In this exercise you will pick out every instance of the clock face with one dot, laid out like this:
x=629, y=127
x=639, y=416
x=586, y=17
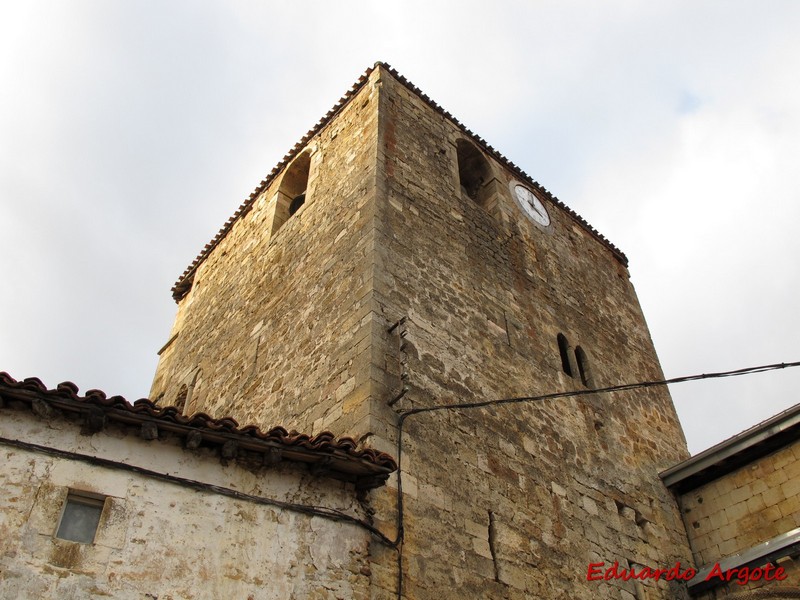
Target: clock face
x=531, y=205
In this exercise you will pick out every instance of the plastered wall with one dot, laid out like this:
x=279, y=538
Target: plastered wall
x=162, y=540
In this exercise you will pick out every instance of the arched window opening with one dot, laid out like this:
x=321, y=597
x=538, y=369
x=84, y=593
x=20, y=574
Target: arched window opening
x=292, y=191
x=583, y=366
x=563, y=349
x=473, y=171
x=180, y=399
x=192, y=398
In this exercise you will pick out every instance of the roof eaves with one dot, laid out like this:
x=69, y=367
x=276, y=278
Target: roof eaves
x=323, y=453
x=735, y=452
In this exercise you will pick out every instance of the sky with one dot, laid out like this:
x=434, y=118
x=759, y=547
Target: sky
x=131, y=130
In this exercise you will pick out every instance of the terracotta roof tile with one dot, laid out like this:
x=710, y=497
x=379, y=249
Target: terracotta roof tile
x=366, y=467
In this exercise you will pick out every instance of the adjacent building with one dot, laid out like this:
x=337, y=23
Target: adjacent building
x=104, y=499
x=740, y=502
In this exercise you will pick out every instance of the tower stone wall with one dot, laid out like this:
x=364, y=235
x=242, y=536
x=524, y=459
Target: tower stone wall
x=514, y=501
x=412, y=279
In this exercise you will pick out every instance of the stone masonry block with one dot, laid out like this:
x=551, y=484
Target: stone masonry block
x=736, y=511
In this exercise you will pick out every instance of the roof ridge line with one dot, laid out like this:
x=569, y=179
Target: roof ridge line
x=183, y=284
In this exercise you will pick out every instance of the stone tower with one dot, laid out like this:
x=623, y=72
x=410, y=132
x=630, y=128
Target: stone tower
x=394, y=261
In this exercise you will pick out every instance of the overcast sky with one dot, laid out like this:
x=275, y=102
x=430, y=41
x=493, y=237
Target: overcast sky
x=131, y=130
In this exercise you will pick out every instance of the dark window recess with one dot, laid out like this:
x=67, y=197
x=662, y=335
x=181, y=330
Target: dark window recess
x=563, y=349
x=293, y=190
x=297, y=202
x=583, y=366
x=473, y=171
x=80, y=518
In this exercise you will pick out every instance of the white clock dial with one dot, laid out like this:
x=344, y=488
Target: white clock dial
x=531, y=205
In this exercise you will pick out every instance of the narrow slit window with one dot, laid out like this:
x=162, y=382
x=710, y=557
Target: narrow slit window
x=583, y=366
x=563, y=349
x=80, y=517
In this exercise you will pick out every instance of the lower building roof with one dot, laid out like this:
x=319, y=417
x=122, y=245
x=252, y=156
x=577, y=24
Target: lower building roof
x=324, y=454
x=735, y=452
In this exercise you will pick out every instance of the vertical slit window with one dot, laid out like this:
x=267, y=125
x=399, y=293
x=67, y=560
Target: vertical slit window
x=563, y=349
x=583, y=366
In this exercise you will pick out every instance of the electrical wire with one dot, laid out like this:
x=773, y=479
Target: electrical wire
x=605, y=390
x=340, y=516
